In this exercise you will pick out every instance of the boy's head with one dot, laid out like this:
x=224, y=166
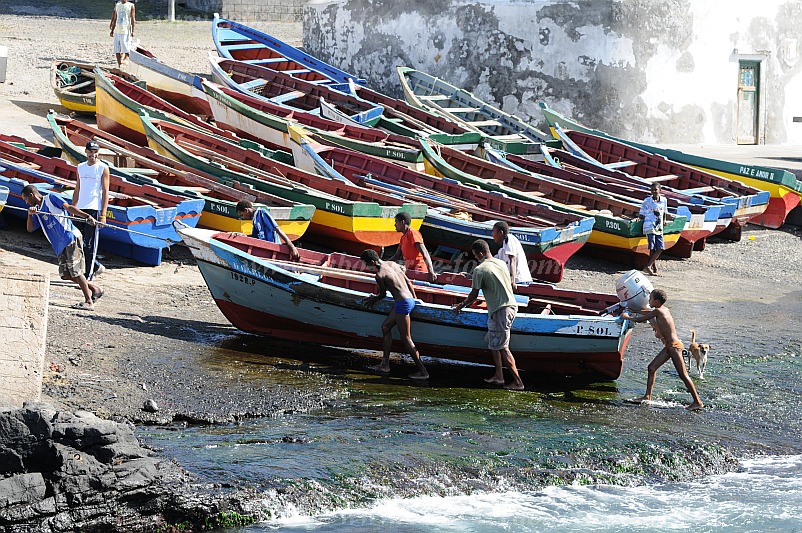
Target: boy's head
x=244, y=209
x=402, y=221
x=480, y=249
x=31, y=195
x=500, y=231
x=658, y=296
x=370, y=258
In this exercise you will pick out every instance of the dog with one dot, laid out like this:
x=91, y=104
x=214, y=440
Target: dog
x=699, y=353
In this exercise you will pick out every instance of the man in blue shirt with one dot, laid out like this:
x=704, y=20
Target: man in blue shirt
x=653, y=212
x=265, y=227
x=50, y=213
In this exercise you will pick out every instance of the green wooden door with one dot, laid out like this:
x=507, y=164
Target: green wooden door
x=748, y=98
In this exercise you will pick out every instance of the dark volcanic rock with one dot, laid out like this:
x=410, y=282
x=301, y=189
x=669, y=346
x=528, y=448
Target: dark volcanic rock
x=66, y=471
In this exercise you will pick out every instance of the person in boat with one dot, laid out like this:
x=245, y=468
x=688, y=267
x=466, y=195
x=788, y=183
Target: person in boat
x=122, y=26
x=50, y=213
x=512, y=253
x=265, y=227
x=391, y=277
x=493, y=278
x=653, y=212
x=411, y=248
x=92, y=197
x=663, y=323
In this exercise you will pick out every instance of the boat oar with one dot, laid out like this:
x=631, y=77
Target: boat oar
x=118, y=228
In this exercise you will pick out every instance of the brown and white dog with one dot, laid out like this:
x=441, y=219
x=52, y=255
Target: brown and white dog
x=699, y=353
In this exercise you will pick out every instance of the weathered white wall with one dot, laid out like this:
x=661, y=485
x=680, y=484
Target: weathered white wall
x=654, y=70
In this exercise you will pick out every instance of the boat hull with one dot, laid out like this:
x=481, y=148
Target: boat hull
x=179, y=88
x=779, y=183
x=260, y=298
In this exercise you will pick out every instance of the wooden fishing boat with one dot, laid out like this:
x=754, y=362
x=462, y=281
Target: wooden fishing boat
x=39, y=148
x=237, y=41
x=143, y=165
x=144, y=210
x=503, y=131
x=396, y=117
x=749, y=202
x=347, y=217
x=458, y=214
x=324, y=306
x=785, y=189
x=74, y=84
x=119, y=104
x=283, y=89
x=268, y=123
x=617, y=233
x=177, y=87
x=703, y=219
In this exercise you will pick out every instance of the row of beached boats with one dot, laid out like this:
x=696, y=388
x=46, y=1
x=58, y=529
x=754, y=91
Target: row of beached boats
x=333, y=161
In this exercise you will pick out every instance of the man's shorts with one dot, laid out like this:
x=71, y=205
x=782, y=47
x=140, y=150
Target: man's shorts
x=122, y=43
x=71, y=260
x=656, y=241
x=499, y=324
x=405, y=306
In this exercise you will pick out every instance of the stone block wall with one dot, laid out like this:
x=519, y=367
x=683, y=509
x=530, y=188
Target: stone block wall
x=256, y=10
x=251, y=10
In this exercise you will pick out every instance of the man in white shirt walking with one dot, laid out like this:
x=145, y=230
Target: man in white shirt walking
x=92, y=197
x=123, y=22
x=653, y=212
x=512, y=253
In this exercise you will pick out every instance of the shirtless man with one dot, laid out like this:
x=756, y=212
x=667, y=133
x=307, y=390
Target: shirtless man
x=390, y=276
x=663, y=324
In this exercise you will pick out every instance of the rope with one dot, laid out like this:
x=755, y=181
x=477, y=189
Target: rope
x=168, y=241
x=68, y=74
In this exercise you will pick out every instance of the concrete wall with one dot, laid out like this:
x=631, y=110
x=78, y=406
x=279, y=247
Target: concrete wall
x=251, y=10
x=653, y=70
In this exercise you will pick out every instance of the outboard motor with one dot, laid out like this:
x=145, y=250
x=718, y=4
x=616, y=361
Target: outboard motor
x=633, y=290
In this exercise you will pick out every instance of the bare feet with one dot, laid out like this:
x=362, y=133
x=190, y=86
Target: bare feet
x=514, y=386
x=493, y=380
x=643, y=399
x=419, y=375
x=695, y=406
x=647, y=271
x=381, y=367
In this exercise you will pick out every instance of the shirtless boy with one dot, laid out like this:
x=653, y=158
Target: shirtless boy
x=391, y=277
x=663, y=324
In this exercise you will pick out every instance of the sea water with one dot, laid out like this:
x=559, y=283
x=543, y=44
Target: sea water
x=565, y=455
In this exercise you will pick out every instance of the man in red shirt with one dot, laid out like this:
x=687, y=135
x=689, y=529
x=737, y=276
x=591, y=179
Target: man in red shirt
x=411, y=247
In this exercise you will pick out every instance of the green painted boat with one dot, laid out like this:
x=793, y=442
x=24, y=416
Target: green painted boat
x=617, y=231
x=263, y=121
x=502, y=131
x=784, y=187
x=347, y=217
x=142, y=165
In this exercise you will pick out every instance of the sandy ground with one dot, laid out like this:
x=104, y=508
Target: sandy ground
x=157, y=333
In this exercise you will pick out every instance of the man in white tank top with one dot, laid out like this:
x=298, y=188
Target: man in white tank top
x=512, y=253
x=123, y=22
x=92, y=197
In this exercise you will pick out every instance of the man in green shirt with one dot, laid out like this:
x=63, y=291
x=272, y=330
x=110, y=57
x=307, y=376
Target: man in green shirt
x=493, y=278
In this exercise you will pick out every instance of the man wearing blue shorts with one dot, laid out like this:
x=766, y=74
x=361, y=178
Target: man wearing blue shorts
x=653, y=212
x=391, y=277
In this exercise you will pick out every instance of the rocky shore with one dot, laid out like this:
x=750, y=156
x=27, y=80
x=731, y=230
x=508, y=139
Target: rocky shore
x=74, y=463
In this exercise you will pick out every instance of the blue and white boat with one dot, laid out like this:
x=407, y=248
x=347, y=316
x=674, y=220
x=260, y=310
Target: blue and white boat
x=243, y=43
x=139, y=220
